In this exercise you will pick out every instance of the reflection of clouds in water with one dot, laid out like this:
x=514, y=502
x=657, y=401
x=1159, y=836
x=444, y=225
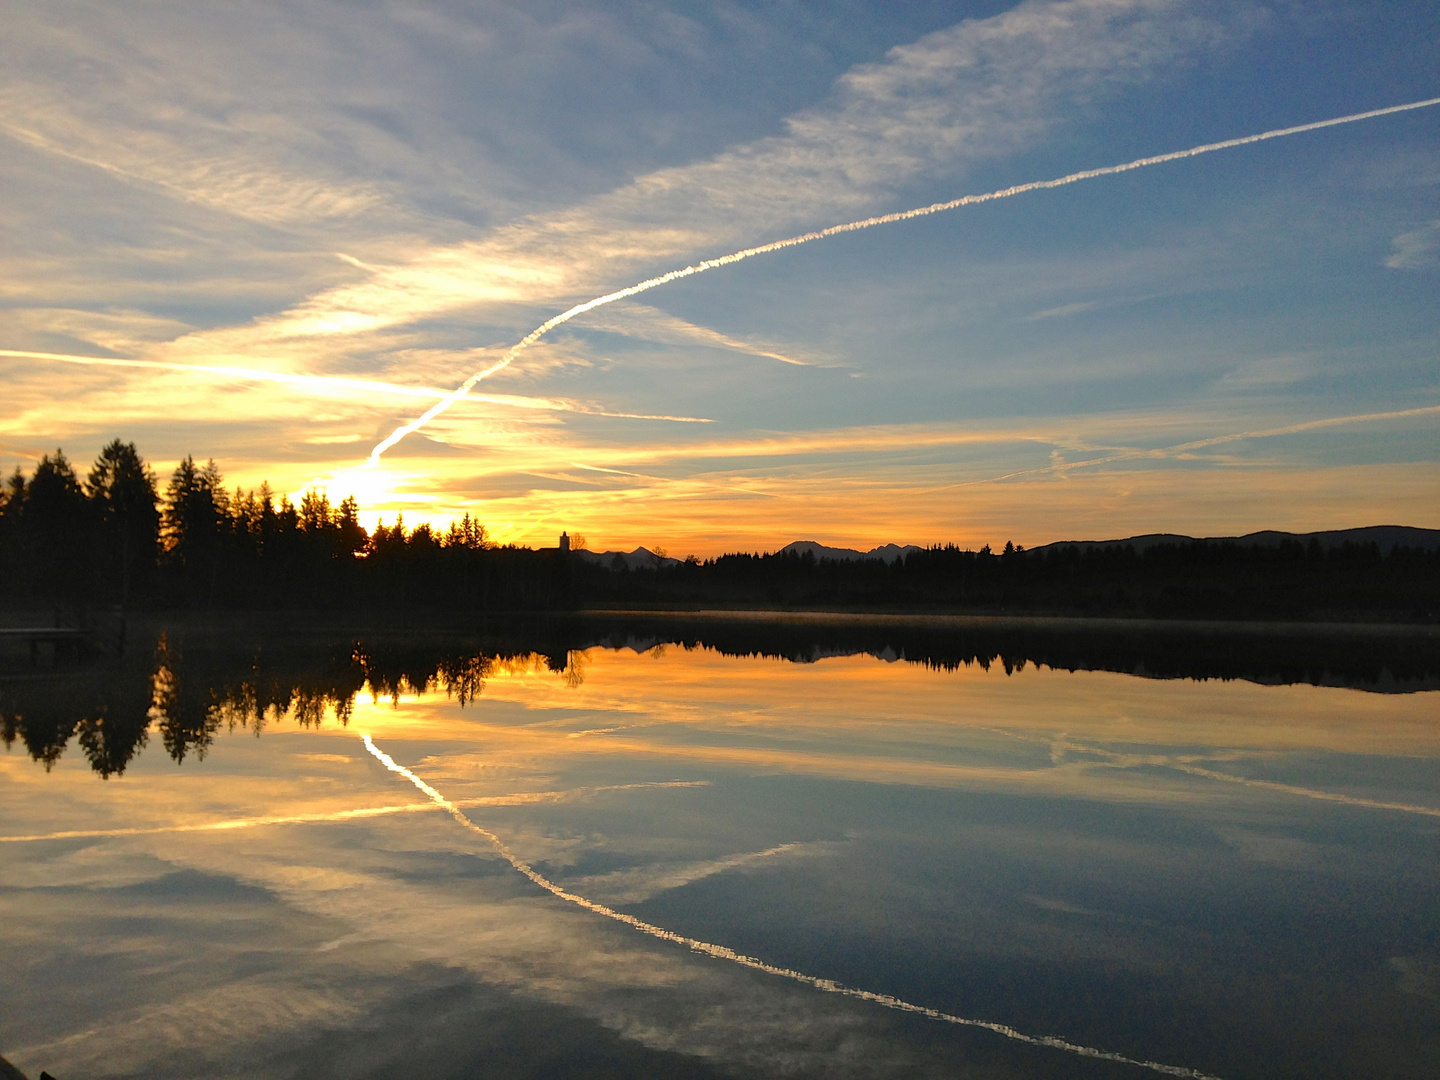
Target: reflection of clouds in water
x=187, y=998
x=1050, y=903
x=395, y=891
x=179, y=963
x=93, y=866
x=721, y=952
x=221, y=826
x=578, y=794
x=659, y=997
x=638, y=884
x=249, y=1011
x=384, y=908
x=1271, y=850
x=1417, y=975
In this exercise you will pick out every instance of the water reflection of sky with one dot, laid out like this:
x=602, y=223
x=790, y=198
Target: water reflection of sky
x=1196, y=873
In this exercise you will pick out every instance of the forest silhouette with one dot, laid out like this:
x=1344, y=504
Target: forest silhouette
x=115, y=539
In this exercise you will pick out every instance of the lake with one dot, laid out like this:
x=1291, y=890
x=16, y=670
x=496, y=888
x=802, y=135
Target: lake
x=724, y=848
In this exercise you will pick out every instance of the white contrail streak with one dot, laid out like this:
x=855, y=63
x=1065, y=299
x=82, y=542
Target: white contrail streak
x=853, y=226
x=720, y=952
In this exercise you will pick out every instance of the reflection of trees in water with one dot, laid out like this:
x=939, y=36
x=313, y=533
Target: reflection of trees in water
x=575, y=663
x=465, y=680
x=188, y=695
x=189, y=692
x=109, y=713
x=393, y=673
x=1390, y=660
x=187, y=721
x=192, y=699
x=461, y=673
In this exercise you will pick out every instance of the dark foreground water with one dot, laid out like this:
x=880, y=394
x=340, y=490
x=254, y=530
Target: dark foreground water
x=206, y=872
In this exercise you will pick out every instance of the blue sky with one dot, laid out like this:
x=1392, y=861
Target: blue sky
x=387, y=196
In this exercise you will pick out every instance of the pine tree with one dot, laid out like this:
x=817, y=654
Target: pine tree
x=122, y=493
x=55, y=532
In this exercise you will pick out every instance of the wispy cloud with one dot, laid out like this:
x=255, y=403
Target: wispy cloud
x=952, y=100
x=943, y=104
x=1063, y=311
x=325, y=384
x=638, y=884
x=279, y=395
x=1416, y=250
x=651, y=324
x=221, y=181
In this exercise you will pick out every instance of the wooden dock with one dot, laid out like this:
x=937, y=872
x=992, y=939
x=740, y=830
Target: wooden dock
x=59, y=638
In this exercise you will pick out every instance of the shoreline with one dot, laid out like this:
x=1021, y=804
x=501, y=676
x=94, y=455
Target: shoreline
x=963, y=621
x=451, y=621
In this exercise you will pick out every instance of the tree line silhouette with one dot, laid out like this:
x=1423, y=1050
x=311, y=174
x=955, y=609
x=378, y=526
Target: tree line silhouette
x=1195, y=579
x=115, y=538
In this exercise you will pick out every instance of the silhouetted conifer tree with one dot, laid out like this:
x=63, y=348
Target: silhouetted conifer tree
x=122, y=493
x=195, y=524
x=55, y=533
x=12, y=497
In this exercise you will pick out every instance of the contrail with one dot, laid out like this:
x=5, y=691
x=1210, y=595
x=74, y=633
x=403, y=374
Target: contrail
x=720, y=952
x=853, y=226
x=1200, y=444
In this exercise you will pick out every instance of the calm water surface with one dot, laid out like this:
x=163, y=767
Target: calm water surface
x=1221, y=876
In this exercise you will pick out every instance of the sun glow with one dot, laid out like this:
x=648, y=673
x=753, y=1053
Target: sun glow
x=375, y=490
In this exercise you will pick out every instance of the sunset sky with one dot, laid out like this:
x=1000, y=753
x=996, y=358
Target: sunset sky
x=284, y=229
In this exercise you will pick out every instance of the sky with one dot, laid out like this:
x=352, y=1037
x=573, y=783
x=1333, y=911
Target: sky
x=276, y=232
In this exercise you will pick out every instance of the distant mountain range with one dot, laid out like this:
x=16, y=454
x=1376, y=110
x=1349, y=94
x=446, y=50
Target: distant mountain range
x=1385, y=537
x=640, y=558
x=643, y=557
x=887, y=554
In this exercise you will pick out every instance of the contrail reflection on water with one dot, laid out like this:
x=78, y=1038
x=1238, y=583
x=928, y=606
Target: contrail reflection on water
x=720, y=952
x=1121, y=760
x=522, y=798
x=220, y=826
x=1304, y=792
x=853, y=226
